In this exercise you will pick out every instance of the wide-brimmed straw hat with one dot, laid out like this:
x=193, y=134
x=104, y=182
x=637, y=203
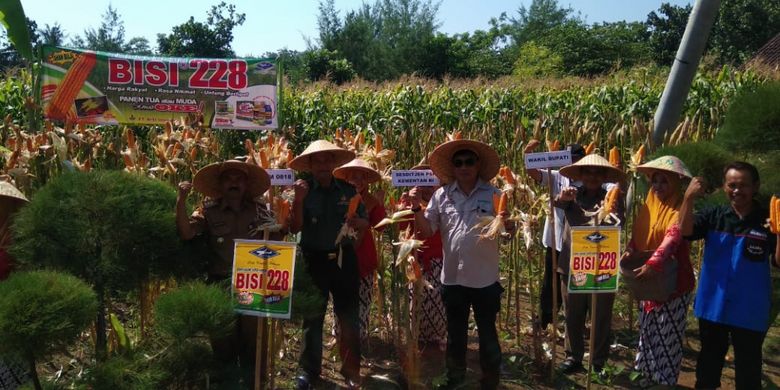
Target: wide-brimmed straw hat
x=441, y=159
x=360, y=165
x=665, y=163
x=11, y=199
x=7, y=190
x=423, y=164
x=206, y=180
x=302, y=163
x=574, y=171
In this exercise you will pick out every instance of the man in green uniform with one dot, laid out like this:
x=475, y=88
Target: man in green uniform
x=319, y=212
x=232, y=210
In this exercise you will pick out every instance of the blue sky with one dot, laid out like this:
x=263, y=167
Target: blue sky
x=271, y=25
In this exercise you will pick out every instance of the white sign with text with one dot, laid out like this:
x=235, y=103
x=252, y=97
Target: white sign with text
x=416, y=177
x=555, y=159
x=281, y=177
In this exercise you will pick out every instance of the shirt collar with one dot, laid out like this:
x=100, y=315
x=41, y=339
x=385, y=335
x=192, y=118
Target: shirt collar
x=223, y=206
x=481, y=184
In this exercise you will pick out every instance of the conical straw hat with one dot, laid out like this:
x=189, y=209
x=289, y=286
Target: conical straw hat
x=206, y=180
x=665, y=163
x=302, y=163
x=357, y=164
x=574, y=171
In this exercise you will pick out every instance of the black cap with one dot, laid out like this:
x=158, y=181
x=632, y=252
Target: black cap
x=577, y=152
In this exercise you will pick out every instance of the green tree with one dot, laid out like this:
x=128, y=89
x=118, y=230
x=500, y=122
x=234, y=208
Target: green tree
x=743, y=26
x=536, y=21
x=326, y=64
x=115, y=238
x=384, y=40
x=211, y=39
x=666, y=28
x=52, y=35
x=110, y=36
x=537, y=61
x=42, y=312
x=10, y=55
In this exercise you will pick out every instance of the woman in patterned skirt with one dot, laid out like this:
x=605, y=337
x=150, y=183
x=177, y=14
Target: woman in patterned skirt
x=433, y=320
x=360, y=174
x=657, y=229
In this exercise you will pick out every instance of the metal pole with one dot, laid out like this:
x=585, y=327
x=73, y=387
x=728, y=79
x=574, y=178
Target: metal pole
x=686, y=62
x=554, y=274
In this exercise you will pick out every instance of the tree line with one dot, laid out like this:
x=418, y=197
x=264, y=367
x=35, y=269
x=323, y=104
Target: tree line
x=391, y=38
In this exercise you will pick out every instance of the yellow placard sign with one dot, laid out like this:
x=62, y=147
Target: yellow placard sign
x=263, y=277
x=595, y=255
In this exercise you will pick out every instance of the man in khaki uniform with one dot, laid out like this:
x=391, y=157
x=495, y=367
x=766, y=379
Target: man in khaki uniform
x=230, y=211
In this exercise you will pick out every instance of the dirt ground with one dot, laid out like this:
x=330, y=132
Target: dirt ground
x=381, y=368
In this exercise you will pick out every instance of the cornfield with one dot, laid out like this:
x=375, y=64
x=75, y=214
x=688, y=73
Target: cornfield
x=410, y=119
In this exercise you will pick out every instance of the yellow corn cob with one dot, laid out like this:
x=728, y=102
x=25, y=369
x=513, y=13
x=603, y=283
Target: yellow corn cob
x=774, y=215
x=176, y=149
x=263, y=159
x=508, y=175
x=378, y=143
x=555, y=146
x=637, y=158
x=354, y=202
x=130, y=138
x=611, y=199
x=614, y=157
x=590, y=148
x=68, y=90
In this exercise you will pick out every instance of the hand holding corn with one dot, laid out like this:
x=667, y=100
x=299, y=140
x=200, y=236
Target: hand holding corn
x=696, y=188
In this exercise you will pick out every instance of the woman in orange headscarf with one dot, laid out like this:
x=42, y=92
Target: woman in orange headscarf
x=656, y=230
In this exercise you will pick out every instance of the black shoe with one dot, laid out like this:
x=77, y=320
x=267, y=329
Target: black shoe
x=305, y=382
x=570, y=366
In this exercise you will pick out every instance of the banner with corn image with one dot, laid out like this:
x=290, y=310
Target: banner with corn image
x=83, y=86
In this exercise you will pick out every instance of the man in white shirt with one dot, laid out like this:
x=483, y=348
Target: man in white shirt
x=470, y=263
x=558, y=182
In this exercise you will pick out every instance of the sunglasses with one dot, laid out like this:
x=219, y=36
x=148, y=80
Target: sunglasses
x=459, y=162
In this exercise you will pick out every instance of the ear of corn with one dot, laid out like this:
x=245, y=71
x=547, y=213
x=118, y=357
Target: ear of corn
x=378, y=143
x=61, y=104
x=774, y=215
x=496, y=201
x=639, y=156
x=502, y=201
x=508, y=176
x=614, y=157
x=354, y=202
x=263, y=159
x=590, y=148
x=554, y=145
